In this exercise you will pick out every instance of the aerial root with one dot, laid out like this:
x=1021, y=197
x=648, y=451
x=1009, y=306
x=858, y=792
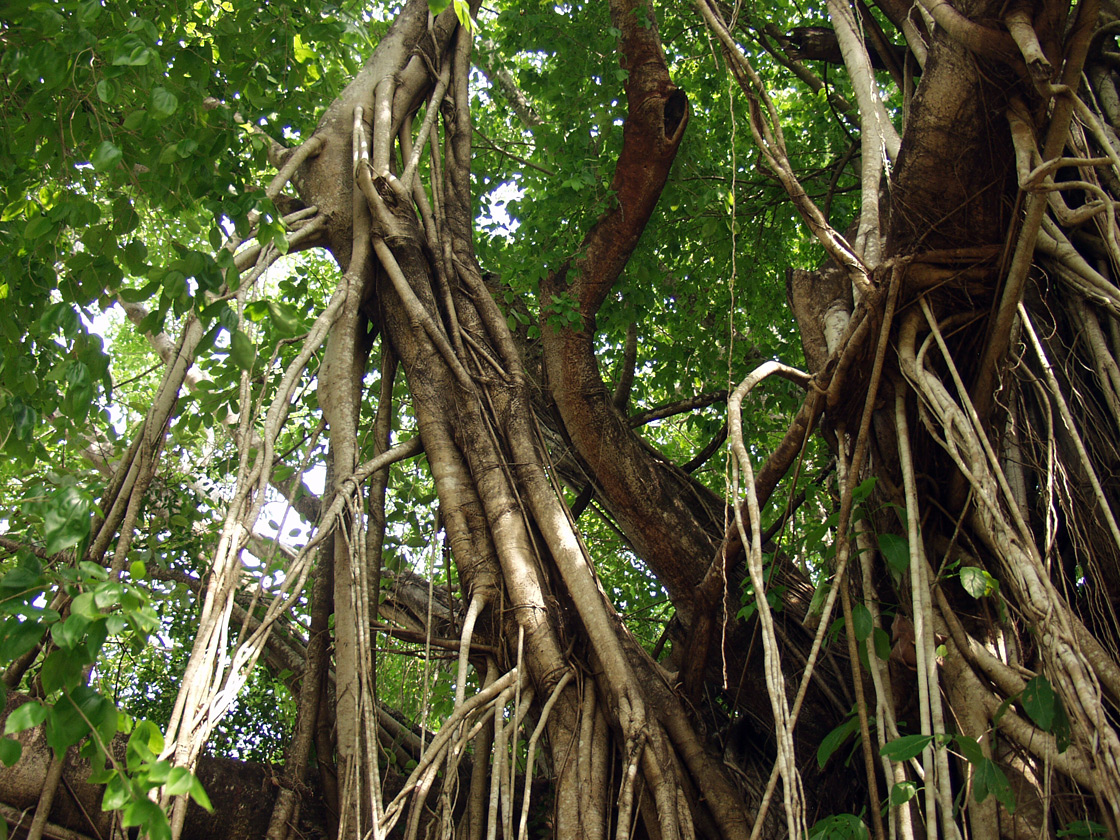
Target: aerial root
x=997, y=520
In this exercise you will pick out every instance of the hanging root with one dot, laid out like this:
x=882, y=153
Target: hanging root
x=997, y=521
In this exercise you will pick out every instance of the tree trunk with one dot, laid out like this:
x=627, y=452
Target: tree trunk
x=961, y=341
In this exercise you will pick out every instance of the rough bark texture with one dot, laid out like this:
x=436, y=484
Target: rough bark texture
x=908, y=341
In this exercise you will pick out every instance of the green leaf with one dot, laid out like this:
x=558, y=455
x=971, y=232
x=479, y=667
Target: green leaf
x=138, y=56
x=1061, y=730
x=863, y=489
x=146, y=739
x=137, y=295
x=107, y=91
x=142, y=25
x=437, y=6
x=1084, y=829
x=125, y=217
x=157, y=826
x=988, y=778
x=136, y=120
x=107, y=594
x=26, y=576
x=164, y=102
x=976, y=582
x=906, y=747
x=88, y=12
x=882, y=641
x=24, y=420
x=18, y=637
x=159, y=772
x=10, y=751
x=198, y=794
x=115, y=623
x=242, y=350
x=62, y=669
x=96, y=635
x=970, y=749
x=141, y=811
x=83, y=605
x=101, y=776
x=68, y=634
x=178, y=781
x=67, y=517
x=1040, y=702
x=862, y=623
x=93, y=571
x=896, y=551
x=839, y=827
x=117, y=793
x=902, y=792
x=65, y=725
x=105, y=156
x=255, y=311
x=135, y=254
x=285, y=318
x=37, y=227
x=835, y=739
x=25, y=717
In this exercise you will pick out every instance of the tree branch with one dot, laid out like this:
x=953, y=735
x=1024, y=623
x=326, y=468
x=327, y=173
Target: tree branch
x=680, y=407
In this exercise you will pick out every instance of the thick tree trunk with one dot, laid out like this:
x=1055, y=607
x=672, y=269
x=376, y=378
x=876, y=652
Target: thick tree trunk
x=517, y=554
x=962, y=351
x=962, y=241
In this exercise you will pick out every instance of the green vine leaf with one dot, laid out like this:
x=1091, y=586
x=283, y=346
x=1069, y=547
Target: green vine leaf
x=896, y=551
x=977, y=582
x=242, y=350
x=1040, y=702
x=105, y=156
x=25, y=716
x=906, y=747
x=835, y=739
x=989, y=779
x=902, y=792
x=10, y=751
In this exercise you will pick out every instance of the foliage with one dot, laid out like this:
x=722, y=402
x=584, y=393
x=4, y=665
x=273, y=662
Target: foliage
x=96, y=609
x=136, y=144
x=839, y=827
x=134, y=141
